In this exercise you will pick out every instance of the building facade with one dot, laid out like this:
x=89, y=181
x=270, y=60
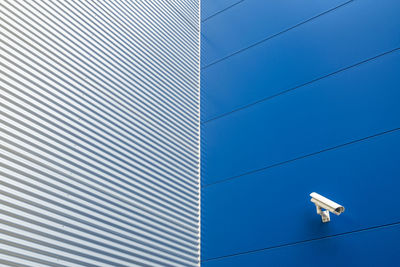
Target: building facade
x=297, y=97
x=100, y=148
x=99, y=137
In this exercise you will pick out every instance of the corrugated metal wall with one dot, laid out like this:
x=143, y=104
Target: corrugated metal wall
x=99, y=139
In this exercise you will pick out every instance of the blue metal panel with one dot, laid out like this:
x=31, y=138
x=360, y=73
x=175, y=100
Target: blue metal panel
x=271, y=208
x=289, y=108
x=346, y=36
x=253, y=21
x=349, y=105
x=379, y=247
x=212, y=7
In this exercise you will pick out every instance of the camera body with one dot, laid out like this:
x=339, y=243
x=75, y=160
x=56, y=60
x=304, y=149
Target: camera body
x=328, y=205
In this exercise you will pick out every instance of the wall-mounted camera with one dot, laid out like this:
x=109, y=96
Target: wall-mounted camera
x=324, y=206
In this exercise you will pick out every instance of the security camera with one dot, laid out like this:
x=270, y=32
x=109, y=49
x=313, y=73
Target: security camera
x=326, y=204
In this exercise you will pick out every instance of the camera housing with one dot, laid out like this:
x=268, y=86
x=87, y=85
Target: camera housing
x=325, y=205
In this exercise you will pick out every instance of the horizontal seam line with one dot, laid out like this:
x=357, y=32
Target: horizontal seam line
x=219, y=12
x=305, y=241
x=301, y=85
x=276, y=34
x=302, y=157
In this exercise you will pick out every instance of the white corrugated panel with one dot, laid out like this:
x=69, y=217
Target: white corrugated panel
x=99, y=138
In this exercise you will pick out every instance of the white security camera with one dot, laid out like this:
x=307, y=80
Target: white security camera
x=326, y=204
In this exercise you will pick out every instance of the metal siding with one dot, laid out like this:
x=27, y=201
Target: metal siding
x=300, y=97
x=99, y=139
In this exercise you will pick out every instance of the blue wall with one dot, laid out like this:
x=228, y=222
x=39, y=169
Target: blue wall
x=300, y=96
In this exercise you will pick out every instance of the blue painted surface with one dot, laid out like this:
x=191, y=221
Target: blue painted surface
x=373, y=248
x=272, y=207
x=338, y=109
x=211, y=8
x=314, y=108
x=343, y=37
x=253, y=21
